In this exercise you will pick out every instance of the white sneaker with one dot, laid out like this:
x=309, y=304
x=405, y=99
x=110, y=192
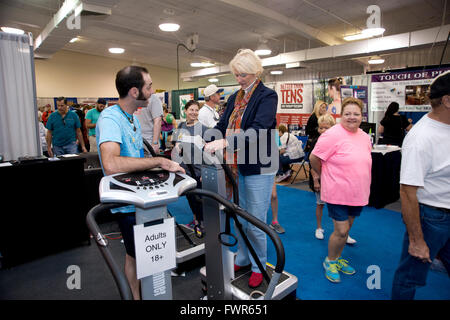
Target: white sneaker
x=319, y=234
x=350, y=240
x=281, y=177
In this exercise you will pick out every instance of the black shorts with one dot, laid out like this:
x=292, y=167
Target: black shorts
x=126, y=224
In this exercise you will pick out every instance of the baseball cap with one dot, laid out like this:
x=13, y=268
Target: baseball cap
x=440, y=86
x=210, y=90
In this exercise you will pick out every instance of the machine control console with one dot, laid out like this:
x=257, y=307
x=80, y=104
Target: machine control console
x=144, y=189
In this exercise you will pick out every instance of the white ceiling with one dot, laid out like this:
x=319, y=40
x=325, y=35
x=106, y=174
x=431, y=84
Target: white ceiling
x=223, y=26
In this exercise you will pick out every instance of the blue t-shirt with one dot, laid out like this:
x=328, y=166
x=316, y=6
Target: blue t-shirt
x=92, y=115
x=113, y=125
x=63, y=130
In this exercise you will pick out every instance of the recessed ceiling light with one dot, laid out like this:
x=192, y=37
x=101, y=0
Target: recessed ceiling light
x=263, y=52
x=169, y=27
x=263, y=49
x=376, y=60
x=373, y=31
x=357, y=36
x=12, y=30
x=202, y=64
x=116, y=50
x=276, y=72
x=213, y=80
x=365, y=34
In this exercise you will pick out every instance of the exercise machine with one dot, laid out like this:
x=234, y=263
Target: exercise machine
x=189, y=244
x=150, y=191
x=218, y=276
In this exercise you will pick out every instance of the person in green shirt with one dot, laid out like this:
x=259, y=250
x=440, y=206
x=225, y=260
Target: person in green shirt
x=91, y=121
x=63, y=131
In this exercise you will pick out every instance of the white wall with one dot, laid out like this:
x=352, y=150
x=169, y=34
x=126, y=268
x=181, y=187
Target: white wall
x=73, y=74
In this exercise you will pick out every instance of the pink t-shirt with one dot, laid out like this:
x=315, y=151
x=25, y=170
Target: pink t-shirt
x=346, y=166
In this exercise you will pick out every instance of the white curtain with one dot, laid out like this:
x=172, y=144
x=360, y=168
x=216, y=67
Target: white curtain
x=18, y=112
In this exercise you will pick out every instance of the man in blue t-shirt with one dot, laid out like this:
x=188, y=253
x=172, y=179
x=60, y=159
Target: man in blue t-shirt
x=63, y=130
x=120, y=146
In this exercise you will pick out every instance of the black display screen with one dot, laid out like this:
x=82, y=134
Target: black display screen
x=145, y=178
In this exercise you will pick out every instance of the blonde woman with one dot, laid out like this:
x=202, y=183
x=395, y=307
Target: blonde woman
x=320, y=108
x=252, y=109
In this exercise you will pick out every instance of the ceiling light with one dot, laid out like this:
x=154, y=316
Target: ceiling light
x=116, y=50
x=202, y=64
x=263, y=49
x=74, y=40
x=373, y=31
x=213, y=80
x=169, y=27
x=376, y=60
x=357, y=36
x=263, y=52
x=293, y=65
x=365, y=34
x=276, y=72
x=12, y=30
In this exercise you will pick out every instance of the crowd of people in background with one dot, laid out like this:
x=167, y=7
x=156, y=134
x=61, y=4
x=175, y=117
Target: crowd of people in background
x=339, y=156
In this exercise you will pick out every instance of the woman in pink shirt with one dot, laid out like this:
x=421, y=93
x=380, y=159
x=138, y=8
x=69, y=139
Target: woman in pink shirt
x=342, y=157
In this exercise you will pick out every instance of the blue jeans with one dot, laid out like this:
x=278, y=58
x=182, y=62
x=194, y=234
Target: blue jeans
x=67, y=149
x=254, y=197
x=412, y=272
x=285, y=161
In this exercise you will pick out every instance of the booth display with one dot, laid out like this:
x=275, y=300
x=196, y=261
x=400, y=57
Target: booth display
x=49, y=205
x=385, y=185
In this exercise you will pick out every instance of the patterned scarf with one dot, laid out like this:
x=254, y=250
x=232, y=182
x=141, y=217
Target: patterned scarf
x=234, y=125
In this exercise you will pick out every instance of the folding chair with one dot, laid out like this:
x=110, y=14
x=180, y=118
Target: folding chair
x=302, y=166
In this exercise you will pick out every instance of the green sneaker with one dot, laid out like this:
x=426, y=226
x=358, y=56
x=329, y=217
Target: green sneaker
x=331, y=270
x=344, y=267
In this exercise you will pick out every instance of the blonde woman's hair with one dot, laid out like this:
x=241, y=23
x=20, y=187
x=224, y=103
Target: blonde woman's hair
x=326, y=118
x=317, y=106
x=246, y=61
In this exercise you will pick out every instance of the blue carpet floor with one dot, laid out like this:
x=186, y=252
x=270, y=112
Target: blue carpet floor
x=379, y=234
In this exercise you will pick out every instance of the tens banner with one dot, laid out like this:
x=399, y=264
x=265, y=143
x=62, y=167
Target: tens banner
x=409, y=89
x=295, y=102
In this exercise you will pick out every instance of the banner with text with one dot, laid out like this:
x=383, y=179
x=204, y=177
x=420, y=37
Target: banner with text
x=409, y=89
x=295, y=103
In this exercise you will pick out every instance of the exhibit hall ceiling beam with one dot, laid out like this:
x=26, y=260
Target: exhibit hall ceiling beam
x=362, y=48
x=297, y=26
x=65, y=24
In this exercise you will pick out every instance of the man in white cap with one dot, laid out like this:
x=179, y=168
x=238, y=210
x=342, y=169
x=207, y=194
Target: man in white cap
x=208, y=115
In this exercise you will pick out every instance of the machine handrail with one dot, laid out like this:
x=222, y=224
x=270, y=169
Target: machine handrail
x=149, y=147
x=102, y=244
x=279, y=248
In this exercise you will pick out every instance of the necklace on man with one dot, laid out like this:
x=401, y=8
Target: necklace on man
x=131, y=121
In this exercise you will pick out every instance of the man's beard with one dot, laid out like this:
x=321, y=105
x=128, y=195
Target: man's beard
x=141, y=101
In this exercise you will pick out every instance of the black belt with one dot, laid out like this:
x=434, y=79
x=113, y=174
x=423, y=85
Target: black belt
x=436, y=208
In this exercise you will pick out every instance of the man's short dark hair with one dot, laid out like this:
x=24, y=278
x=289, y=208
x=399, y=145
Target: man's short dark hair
x=129, y=77
x=61, y=99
